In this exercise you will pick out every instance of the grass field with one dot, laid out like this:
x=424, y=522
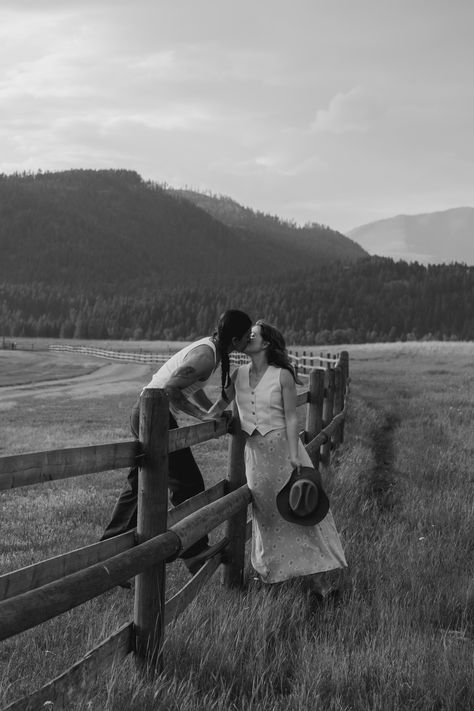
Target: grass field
x=401, y=493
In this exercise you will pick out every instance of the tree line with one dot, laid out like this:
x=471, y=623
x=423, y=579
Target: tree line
x=373, y=299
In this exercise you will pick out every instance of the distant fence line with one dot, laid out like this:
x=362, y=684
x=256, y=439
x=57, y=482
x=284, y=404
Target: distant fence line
x=303, y=360
x=39, y=592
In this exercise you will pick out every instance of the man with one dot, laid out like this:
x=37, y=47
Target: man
x=184, y=377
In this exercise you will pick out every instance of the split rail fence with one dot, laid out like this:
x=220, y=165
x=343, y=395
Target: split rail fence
x=31, y=595
x=303, y=363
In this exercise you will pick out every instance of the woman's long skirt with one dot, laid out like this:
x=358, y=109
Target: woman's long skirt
x=280, y=549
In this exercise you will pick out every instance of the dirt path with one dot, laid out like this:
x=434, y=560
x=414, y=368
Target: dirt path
x=381, y=480
x=109, y=378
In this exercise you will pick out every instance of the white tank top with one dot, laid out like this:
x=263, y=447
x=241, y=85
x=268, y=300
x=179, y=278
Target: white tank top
x=260, y=408
x=162, y=376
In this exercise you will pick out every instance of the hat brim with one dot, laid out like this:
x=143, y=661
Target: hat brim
x=283, y=498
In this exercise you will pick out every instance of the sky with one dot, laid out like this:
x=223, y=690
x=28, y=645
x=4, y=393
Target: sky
x=339, y=112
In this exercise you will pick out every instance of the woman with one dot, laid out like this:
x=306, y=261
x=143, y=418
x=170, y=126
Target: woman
x=265, y=393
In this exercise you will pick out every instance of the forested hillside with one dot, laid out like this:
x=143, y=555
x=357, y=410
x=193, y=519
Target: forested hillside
x=372, y=300
x=313, y=239
x=101, y=229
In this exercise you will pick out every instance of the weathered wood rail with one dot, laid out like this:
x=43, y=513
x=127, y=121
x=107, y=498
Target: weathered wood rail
x=39, y=592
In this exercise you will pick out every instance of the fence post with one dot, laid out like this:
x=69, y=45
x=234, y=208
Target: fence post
x=233, y=569
x=314, y=408
x=344, y=362
x=338, y=401
x=328, y=408
x=151, y=520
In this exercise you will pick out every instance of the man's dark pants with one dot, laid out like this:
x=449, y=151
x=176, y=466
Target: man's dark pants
x=184, y=481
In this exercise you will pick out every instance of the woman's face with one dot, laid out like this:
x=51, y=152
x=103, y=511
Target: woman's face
x=256, y=342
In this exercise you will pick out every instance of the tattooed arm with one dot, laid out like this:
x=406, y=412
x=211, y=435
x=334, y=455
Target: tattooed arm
x=198, y=365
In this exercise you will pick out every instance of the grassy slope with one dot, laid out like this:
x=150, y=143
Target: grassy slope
x=399, y=489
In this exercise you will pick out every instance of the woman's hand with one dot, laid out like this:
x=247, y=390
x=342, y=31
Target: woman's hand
x=295, y=462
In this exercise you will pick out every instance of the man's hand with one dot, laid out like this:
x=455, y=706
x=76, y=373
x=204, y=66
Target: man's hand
x=207, y=417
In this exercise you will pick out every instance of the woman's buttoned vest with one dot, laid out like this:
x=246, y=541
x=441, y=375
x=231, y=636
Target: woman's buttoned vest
x=260, y=408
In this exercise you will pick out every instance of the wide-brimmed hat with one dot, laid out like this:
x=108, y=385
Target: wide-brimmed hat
x=303, y=499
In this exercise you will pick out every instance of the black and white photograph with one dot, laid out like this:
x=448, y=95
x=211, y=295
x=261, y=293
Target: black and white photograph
x=236, y=355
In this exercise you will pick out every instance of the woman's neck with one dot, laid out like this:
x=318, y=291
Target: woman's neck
x=259, y=362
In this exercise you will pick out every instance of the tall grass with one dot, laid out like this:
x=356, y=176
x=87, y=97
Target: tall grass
x=402, y=638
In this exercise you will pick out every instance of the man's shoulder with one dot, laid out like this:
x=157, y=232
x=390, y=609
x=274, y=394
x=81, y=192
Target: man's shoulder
x=202, y=358
x=200, y=351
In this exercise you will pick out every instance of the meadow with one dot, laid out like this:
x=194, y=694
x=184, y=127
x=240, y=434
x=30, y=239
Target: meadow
x=401, y=492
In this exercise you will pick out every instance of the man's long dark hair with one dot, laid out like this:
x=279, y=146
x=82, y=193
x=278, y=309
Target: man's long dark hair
x=232, y=324
x=277, y=354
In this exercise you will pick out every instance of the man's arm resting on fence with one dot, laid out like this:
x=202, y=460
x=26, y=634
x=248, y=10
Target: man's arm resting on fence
x=197, y=366
x=201, y=399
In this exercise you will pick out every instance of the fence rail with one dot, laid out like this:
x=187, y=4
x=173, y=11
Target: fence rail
x=303, y=362
x=46, y=589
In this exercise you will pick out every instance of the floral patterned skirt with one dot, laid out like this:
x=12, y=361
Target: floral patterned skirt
x=280, y=549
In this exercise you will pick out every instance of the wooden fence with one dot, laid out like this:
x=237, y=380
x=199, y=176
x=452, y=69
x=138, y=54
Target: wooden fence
x=304, y=361
x=39, y=592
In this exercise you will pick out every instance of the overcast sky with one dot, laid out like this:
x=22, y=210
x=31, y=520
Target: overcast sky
x=334, y=111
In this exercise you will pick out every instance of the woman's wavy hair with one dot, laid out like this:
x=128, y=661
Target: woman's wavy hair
x=232, y=324
x=276, y=352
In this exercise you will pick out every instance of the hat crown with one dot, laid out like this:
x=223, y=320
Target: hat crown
x=303, y=497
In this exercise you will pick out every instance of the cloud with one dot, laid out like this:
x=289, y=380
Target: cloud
x=319, y=111
x=354, y=111
x=288, y=163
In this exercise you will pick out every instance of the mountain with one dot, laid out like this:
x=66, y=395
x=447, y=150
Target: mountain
x=322, y=242
x=109, y=229
x=432, y=238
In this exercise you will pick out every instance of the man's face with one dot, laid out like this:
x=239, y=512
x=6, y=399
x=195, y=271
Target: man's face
x=240, y=344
